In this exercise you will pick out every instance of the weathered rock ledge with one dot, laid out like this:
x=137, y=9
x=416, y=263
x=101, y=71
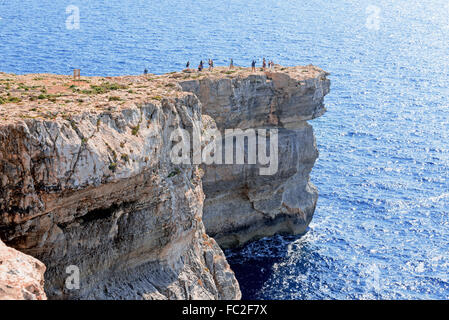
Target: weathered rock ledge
x=21, y=276
x=241, y=204
x=86, y=177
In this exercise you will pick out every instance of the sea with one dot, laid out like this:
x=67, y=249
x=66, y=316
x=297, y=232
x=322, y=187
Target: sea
x=381, y=226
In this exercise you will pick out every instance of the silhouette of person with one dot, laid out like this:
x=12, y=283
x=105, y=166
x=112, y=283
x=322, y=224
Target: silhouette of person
x=187, y=64
x=253, y=66
x=231, y=65
x=264, y=64
x=200, y=67
x=145, y=71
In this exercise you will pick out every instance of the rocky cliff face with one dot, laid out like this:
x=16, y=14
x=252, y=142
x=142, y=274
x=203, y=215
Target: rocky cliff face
x=21, y=276
x=94, y=193
x=87, y=183
x=241, y=204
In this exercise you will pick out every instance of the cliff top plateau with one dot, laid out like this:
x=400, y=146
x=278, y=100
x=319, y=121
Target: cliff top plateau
x=49, y=96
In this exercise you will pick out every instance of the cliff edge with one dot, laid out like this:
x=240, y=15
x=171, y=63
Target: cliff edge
x=90, y=188
x=241, y=204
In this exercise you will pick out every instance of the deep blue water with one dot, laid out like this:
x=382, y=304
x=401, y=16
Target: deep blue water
x=381, y=228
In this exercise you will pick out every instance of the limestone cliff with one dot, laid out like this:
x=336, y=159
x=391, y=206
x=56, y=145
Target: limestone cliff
x=241, y=204
x=97, y=190
x=21, y=276
x=86, y=178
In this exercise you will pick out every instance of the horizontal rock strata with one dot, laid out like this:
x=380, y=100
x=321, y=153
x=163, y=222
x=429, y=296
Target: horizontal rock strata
x=92, y=193
x=241, y=204
x=88, y=185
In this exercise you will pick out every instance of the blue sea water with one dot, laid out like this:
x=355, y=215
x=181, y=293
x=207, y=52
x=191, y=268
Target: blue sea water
x=381, y=227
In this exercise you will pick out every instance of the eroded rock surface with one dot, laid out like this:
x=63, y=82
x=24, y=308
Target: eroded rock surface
x=21, y=276
x=241, y=204
x=86, y=178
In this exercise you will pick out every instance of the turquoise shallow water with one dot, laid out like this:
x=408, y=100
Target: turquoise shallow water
x=381, y=228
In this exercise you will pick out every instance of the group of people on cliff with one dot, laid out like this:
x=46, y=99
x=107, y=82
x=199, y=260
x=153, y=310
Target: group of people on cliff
x=231, y=65
x=201, y=65
x=264, y=65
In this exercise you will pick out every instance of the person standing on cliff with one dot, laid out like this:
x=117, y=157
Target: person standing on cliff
x=145, y=71
x=211, y=64
x=231, y=65
x=264, y=64
x=253, y=66
x=200, y=67
x=187, y=65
